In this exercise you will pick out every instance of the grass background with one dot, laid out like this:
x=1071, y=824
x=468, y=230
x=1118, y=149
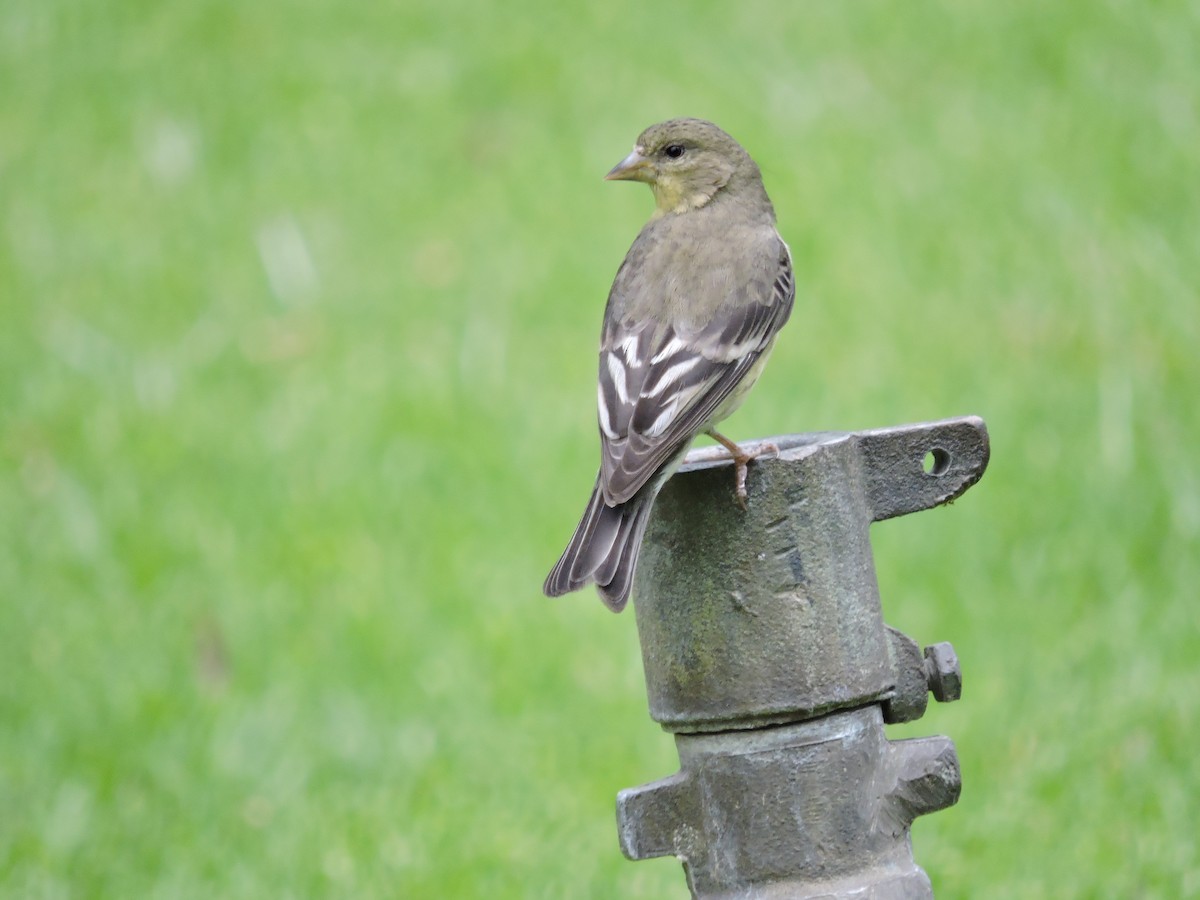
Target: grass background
x=298, y=304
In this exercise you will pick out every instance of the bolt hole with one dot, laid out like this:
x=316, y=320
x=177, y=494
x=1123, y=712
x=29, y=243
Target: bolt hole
x=936, y=462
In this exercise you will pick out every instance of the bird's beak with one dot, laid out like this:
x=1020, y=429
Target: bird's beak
x=634, y=167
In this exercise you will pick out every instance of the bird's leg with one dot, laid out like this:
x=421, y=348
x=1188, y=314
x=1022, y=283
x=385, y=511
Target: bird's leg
x=741, y=459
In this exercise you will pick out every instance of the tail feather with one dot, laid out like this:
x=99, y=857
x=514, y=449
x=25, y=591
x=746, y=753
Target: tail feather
x=615, y=581
x=604, y=549
x=570, y=573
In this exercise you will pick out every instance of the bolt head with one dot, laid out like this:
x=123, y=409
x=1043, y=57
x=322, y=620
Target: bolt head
x=942, y=672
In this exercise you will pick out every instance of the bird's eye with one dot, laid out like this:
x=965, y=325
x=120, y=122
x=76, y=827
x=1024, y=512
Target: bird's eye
x=674, y=151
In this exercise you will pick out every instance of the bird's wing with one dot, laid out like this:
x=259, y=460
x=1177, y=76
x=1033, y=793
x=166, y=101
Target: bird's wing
x=660, y=386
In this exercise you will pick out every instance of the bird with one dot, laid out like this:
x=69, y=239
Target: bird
x=691, y=318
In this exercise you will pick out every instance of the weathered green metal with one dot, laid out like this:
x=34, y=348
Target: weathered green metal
x=765, y=651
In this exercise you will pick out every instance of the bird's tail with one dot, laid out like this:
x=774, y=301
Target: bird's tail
x=604, y=549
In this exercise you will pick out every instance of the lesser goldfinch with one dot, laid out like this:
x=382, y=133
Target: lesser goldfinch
x=691, y=318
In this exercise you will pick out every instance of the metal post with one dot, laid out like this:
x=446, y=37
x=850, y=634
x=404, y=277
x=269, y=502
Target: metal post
x=766, y=654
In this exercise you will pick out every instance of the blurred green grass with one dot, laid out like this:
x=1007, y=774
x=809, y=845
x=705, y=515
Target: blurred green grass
x=298, y=304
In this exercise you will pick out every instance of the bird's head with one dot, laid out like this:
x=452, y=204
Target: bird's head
x=686, y=162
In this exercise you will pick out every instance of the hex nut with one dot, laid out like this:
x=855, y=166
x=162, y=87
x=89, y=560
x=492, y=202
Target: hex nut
x=942, y=672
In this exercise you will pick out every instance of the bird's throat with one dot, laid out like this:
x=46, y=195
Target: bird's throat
x=671, y=197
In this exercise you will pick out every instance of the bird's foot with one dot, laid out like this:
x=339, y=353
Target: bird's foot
x=741, y=460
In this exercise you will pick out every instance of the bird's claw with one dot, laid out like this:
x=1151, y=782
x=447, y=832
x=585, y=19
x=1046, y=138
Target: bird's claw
x=742, y=497
x=741, y=463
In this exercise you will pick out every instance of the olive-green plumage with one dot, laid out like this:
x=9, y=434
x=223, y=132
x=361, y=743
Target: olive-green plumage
x=691, y=318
